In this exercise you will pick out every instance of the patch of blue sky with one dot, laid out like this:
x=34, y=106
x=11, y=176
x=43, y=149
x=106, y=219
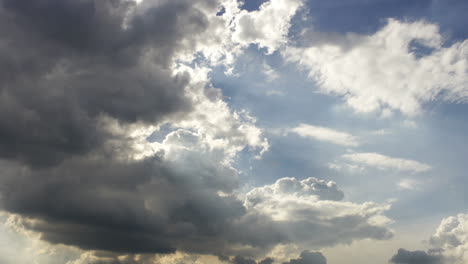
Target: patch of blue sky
x=437, y=137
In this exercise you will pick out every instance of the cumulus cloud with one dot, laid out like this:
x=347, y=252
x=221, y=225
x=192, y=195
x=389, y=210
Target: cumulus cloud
x=311, y=211
x=383, y=71
x=268, y=26
x=326, y=134
x=385, y=162
x=449, y=244
x=452, y=237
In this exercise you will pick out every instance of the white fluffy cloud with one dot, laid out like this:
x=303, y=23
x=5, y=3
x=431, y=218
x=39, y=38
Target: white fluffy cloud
x=228, y=34
x=381, y=72
x=268, y=27
x=326, y=134
x=380, y=161
x=312, y=212
x=452, y=237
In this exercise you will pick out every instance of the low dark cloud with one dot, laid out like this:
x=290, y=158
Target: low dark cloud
x=416, y=257
x=124, y=206
x=242, y=260
x=308, y=257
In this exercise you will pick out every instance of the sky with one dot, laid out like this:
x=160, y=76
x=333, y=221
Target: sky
x=233, y=132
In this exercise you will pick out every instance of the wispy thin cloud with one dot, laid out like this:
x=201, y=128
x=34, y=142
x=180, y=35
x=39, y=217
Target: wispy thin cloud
x=380, y=161
x=326, y=134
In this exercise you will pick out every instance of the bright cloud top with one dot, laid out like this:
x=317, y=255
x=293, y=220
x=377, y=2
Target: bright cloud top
x=381, y=72
x=326, y=134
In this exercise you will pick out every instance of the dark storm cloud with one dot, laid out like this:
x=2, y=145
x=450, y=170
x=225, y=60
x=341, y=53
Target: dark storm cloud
x=416, y=257
x=65, y=62
x=242, y=260
x=119, y=206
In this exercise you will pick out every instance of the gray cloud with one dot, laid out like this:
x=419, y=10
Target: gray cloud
x=64, y=63
x=416, y=257
x=123, y=206
x=242, y=260
x=308, y=257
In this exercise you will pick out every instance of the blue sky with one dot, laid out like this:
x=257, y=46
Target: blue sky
x=170, y=132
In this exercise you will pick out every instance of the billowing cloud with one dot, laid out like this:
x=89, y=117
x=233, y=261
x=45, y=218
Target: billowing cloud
x=385, y=162
x=452, y=237
x=268, y=26
x=326, y=134
x=311, y=211
x=67, y=63
x=400, y=67
x=449, y=244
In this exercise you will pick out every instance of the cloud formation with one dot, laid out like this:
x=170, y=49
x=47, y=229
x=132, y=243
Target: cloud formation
x=380, y=161
x=308, y=257
x=326, y=134
x=83, y=86
x=311, y=211
x=401, y=67
x=452, y=237
x=416, y=257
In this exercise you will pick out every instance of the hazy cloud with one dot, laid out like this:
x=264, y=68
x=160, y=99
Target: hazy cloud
x=326, y=134
x=385, y=162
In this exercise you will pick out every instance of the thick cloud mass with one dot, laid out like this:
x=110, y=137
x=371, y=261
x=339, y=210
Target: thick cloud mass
x=65, y=63
x=83, y=83
x=119, y=206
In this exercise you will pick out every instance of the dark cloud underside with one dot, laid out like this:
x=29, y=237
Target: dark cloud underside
x=65, y=62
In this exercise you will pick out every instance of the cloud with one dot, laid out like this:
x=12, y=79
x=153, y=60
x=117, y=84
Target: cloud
x=449, y=244
x=311, y=212
x=242, y=260
x=65, y=64
x=452, y=237
x=385, y=162
x=308, y=257
x=326, y=134
x=83, y=85
x=416, y=257
x=386, y=71
x=408, y=184
x=268, y=26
